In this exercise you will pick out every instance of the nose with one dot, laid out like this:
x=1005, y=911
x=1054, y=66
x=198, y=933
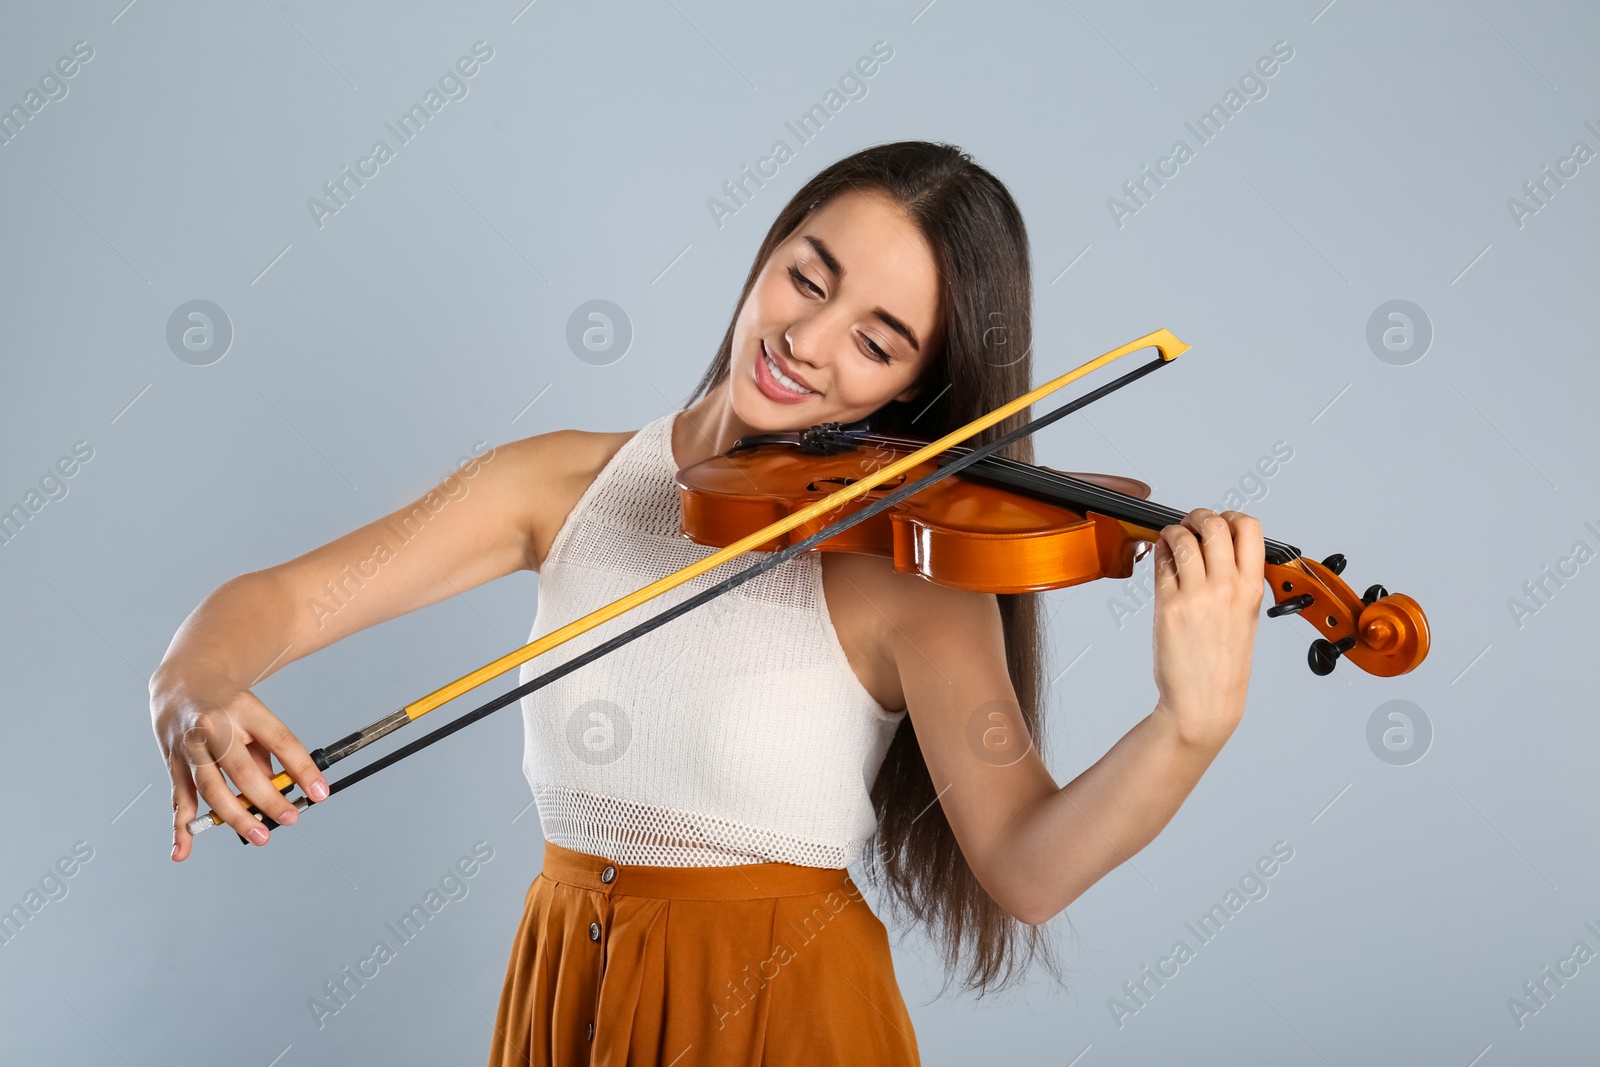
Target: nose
x=809, y=339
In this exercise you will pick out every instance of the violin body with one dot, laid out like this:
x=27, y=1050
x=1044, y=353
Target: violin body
x=1005, y=527
x=957, y=532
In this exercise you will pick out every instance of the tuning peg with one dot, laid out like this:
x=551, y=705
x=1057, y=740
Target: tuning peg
x=1293, y=606
x=1374, y=594
x=1324, y=654
x=1335, y=563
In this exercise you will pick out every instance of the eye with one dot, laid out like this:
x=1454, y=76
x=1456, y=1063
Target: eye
x=877, y=353
x=802, y=280
x=803, y=283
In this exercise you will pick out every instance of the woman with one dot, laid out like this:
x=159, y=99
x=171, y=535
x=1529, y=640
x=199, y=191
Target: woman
x=703, y=788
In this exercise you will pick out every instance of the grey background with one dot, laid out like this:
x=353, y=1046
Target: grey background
x=369, y=354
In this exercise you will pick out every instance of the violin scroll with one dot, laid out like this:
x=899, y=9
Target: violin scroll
x=1383, y=633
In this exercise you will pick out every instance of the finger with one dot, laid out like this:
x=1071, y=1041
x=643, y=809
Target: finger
x=1166, y=569
x=184, y=805
x=1216, y=542
x=1249, y=548
x=1185, y=551
x=216, y=792
x=211, y=736
x=256, y=785
x=270, y=731
x=261, y=757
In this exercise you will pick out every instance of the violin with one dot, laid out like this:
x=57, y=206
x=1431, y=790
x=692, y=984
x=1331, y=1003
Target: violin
x=1002, y=526
x=965, y=517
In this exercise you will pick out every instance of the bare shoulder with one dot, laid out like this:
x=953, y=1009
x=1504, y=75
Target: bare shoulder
x=887, y=620
x=904, y=600
x=560, y=467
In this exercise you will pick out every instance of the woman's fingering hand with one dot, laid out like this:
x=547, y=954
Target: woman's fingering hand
x=1208, y=590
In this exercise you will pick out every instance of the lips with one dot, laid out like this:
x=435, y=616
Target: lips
x=765, y=376
x=787, y=369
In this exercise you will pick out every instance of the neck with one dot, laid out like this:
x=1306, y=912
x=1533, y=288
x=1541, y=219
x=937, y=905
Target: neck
x=708, y=428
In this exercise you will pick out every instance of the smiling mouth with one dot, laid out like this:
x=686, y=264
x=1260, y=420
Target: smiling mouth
x=782, y=378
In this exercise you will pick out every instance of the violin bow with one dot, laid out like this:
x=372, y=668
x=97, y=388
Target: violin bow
x=1167, y=347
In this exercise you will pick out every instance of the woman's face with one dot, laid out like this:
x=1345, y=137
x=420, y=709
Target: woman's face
x=847, y=308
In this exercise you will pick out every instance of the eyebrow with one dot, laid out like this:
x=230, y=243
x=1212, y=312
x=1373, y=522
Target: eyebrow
x=831, y=261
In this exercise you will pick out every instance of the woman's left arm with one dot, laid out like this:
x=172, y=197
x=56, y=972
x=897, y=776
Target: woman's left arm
x=1036, y=846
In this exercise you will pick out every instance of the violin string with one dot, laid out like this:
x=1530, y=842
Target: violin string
x=1113, y=503
x=774, y=559
x=1134, y=509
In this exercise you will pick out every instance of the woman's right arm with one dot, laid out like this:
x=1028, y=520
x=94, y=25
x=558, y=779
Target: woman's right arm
x=491, y=517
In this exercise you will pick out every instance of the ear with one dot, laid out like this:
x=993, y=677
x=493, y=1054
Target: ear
x=910, y=392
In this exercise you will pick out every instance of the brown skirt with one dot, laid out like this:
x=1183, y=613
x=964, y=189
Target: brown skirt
x=766, y=963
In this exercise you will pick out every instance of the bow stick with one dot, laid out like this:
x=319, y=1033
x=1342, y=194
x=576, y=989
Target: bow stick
x=1167, y=346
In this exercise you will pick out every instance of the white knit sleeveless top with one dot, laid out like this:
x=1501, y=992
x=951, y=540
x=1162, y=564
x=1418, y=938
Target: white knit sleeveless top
x=735, y=733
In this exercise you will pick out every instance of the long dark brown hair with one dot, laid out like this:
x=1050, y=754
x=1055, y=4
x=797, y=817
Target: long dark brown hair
x=981, y=254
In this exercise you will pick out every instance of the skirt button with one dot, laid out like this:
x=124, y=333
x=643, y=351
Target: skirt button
x=594, y=931
x=608, y=875
x=591, y=1031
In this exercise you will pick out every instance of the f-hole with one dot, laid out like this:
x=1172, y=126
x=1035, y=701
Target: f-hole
x=835, y=484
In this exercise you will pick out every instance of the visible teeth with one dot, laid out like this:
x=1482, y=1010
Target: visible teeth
x=783, y=379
